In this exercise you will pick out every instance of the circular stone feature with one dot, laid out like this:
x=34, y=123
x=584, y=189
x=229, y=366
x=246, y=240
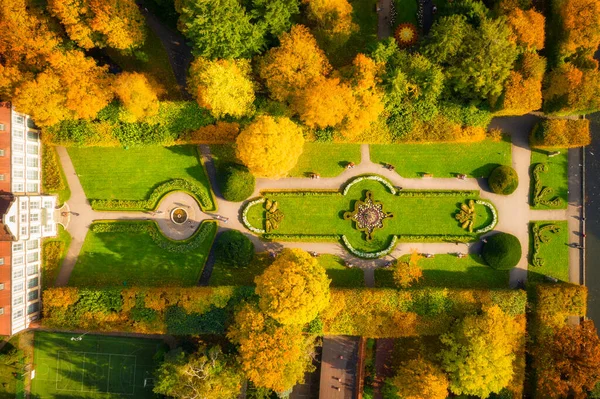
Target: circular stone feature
x=179, y=216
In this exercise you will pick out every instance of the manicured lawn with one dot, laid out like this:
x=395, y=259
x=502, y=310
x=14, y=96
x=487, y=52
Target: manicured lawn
x=340, y=275
x=406, y=11
x=134, y=259
x=446, y=270
x=157, y=65
x=55, y=250
x=132, y=174
x=444, y=159
x=98, y=366
x=326, y=159
x=554, y=253
x=557, y=176
x=323, y=215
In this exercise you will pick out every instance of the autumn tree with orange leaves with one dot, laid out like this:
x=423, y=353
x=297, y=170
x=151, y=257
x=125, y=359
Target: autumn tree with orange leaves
x=570, y=89
x=568, y=364
x=528, y=28
x=101, y=23
x=324, y=103
x=138, y=95
x=333, y=19
x=408, y=272
x=272, y=356
x=581, y=25
x=420, y=379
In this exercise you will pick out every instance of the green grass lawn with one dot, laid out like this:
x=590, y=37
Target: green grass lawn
x=406, y=11
x=132, y=174
x=340, y=275
x=444, y=159
x=12, y=361
x=134, y=259
x=447, y=270
x=98, y=366
x=555, y=254
x=55, y=249
x=157, y=65
x=323, y=215
x=326, y=159
x=557, y=176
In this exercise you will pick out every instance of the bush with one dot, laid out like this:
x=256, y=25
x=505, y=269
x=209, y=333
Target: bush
x=502, y=251
x=236, y=182
x=53, y=180
x=561, y=133
x=503, y=180
x=234, y=248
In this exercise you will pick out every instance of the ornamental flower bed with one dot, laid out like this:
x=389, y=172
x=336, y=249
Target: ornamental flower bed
x=490, y=226
x=368, y=215
x=245, y=216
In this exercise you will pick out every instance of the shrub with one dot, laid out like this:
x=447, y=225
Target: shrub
x=52, y=252
x=502, y=251
x=236, y=182
x=234, y=248
x=53, y=180
x=561, y=133
x=503, y=180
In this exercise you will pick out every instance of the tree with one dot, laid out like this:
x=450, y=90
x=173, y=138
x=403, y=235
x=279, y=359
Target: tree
x=101, y=23
x=581, y=25
x=43, y=99
x=272, y=356
x=234, y=248
x=572, y=90
x=478, y=354
x=223, y=86
x=206, y=373
x=137, y=94
x=561, y=133
x=502, y=251
x=294, y=289
x=236, y=182
x=276, y=14
x=521, y=96
x=270, y=147
x=503, y=180
x=528, y=28
x=220, y=29
x=569, y=362
x=324, y=103
x=407, y=273
x=333, y=19
x=420, y=379
x=290, y=68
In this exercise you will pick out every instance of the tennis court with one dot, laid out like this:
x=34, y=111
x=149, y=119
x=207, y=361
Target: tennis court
x=93, y=366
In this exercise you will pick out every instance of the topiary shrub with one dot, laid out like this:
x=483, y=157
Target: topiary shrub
x=236, y=182
x=502, y=251
x=234, y=248
x=503, y=180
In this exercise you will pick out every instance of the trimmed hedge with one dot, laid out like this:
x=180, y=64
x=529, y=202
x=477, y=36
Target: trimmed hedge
x=369, y=312
x=502, y=251
x=568, y=133
x=234, y=249
x=207, y=230
x=236, y=182
x=200, y=193
x=503, y=180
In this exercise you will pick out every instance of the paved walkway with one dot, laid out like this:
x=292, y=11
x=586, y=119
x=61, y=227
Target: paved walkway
x=384, y=29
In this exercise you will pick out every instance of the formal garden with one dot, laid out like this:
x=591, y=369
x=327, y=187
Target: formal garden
x=549, y=251
x=370, y=216
x=549, y=178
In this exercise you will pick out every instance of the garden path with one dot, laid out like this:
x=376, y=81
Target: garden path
x=384, y=29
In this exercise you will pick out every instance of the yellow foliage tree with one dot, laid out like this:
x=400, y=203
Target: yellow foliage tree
x=272, y=356
x=294, y=65
x=294, y=289
x=43, y=99
x=478, y=354
x=333, y=18
x=407, y=273
x=270, y=147
x=324, y=103
x=581, y=23
x=101, y=23
x=528, y=28
x=521, y=96
x=223, y=86
x=572, y=90
x=137, y=94
x=420, y=379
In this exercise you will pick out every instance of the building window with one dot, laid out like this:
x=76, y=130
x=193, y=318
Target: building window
x=17, y=260
x=18, y=273
x=34, y=205
x=32, y=149
x=33, y=175
x=18, y=147
x=1, y=286
x=18, y=187
x=34, y=230
x=18, y=133
x=34, y=217
x=23, y=205
x=33, y=244
x=48, y=204
x=32, y=187
x=18, y=287
x=18, y=314
x=32, y=162
x=19, y=119
x=1, y=311
x=33, y=136
x=23, y=218
x=18, y=174
x=1, y=152
x=32, y=283
x=18, y=301
x=2, y=127
x=31, y=270
x=18, y=161
x=34, y=307
x=1, y=176
x=24, y=231
x=17, y=247
x=1, y=261
x=33, y=295
x=33, y=257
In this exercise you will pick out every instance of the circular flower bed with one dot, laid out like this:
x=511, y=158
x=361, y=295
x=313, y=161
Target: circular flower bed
x=179, y=216
x=368, y=215
x=406, y=35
